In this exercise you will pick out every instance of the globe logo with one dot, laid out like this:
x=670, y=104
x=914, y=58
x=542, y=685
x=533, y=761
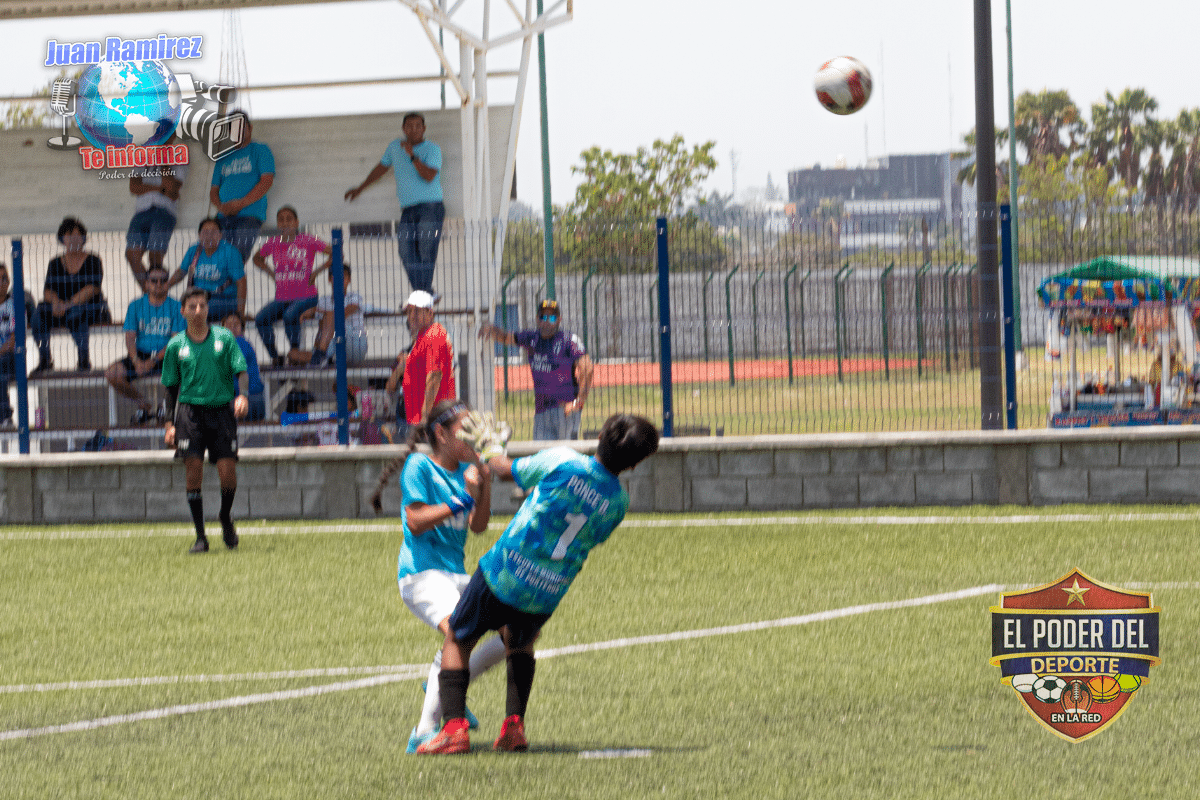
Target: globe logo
x=123, y=103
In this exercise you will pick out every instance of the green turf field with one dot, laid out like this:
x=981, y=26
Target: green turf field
x=290, y=669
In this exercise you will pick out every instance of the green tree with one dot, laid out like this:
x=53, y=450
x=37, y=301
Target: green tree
x=1042, y=119
x=651, y=182
x=1127, y=113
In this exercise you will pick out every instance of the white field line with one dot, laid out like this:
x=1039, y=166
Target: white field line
x=413, y=672
x=22, y=534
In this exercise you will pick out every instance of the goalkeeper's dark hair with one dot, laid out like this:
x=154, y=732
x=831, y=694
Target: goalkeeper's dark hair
x=625, y=441
x=441, y=415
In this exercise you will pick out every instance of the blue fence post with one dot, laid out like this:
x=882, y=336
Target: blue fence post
x=19, y=365
x=1007, y=294
x=339, y=338
x=664, y=323
x=729, y=320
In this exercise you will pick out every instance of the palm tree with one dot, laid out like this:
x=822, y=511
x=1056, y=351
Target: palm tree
x=966, y=175
x=1185, y=157
x=1128, y=112
x=1042, y=119
x=1099, y=139
x=1151, y=136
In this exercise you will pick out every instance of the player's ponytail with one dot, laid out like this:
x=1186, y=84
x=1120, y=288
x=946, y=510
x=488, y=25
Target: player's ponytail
x=442, y=414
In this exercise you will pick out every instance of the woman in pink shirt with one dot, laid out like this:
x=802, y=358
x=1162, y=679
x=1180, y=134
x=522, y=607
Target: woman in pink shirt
x=292, y=253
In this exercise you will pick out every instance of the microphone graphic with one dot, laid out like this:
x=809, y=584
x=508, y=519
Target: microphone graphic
x=62, y=102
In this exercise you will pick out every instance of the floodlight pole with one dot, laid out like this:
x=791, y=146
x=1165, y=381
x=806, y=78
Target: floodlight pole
x=547, y=205
x=991, y=388
x=1012, y=180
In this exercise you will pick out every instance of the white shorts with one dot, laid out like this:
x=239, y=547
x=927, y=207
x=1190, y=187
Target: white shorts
x=432, y=595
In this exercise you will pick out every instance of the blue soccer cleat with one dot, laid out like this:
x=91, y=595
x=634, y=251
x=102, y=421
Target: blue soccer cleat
x=415, y=740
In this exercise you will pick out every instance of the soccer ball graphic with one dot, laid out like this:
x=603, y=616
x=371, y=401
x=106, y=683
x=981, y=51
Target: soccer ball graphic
x=843, y=85
x=1049, y=688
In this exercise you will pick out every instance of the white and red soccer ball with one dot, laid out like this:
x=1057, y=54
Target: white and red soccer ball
x=843, y=85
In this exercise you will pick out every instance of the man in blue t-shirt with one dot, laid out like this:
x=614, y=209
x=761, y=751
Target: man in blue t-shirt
x=417, y=166
x=575, y=503
x=562, y=372
x=150, y=322
x=240, y=182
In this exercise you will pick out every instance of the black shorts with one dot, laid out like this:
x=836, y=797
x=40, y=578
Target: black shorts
x=211, y=428
x=479, y=611
x=131, y=371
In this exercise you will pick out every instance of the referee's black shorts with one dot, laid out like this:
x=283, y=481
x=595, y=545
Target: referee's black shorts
x=211, y=428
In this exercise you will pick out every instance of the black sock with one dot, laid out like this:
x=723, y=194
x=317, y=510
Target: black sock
x=196, y=504
x=520, y=681
x=452, y=689
x=226, y=502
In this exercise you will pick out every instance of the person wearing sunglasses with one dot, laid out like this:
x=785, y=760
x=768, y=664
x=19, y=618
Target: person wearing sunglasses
x=150, y=322
x=562, y=372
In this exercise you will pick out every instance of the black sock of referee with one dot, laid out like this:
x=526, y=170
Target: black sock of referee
x=226, y=502
x=196, y=505
x=521, y=667
x=452, y=689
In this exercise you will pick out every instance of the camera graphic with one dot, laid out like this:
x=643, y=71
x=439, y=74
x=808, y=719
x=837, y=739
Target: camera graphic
x=220, y=134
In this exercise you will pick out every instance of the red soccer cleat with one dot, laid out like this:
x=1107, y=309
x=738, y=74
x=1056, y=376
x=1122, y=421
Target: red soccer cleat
x=452, y=738
x=512, y=736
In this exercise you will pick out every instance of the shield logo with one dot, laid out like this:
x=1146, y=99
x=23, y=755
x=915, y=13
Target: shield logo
x=1075, y=651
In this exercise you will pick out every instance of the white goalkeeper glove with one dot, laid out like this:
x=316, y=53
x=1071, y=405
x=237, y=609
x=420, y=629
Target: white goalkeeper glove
x=486, y=436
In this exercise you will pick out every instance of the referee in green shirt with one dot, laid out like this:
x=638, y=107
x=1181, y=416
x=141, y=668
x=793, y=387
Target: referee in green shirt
x=204, y=372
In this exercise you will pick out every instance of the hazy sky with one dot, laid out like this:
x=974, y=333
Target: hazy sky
x=625, y=72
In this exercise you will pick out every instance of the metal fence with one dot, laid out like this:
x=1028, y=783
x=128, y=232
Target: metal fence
x=778, y=324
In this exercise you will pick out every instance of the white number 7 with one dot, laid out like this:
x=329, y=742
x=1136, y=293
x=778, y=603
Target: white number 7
x=575, y=523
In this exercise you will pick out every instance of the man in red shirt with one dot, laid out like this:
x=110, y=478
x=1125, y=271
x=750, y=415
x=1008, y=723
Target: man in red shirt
x=428, y=370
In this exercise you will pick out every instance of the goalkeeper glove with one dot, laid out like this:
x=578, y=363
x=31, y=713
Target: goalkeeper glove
x=486, y=436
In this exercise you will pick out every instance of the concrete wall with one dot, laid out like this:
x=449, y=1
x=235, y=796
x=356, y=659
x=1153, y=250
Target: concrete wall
x=1043, y=467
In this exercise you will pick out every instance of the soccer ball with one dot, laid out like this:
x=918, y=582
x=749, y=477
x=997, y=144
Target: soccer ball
x=1049, y=688
x=1024, y=683
x=843, y=85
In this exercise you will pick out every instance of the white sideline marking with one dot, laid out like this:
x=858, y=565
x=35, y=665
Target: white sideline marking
x=631, y=753
x=411, y=673
x=408, y=670
x=711, y=522
x=193, y=708
x=820, y=616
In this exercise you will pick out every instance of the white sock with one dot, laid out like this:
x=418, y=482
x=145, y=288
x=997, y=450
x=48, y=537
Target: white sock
x=486, y=655
x=431, y=710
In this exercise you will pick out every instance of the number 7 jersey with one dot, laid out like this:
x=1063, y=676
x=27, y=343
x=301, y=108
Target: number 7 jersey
x=574, y=506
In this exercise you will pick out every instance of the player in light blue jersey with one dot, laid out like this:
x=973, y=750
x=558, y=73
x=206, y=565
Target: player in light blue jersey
x=444, y=494
x=574, y=504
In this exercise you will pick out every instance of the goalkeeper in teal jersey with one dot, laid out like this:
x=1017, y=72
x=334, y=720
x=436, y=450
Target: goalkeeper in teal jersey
x=575, y=503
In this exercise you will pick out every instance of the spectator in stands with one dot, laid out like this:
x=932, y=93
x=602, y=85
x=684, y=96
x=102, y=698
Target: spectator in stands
x=215, y=266
x=240, y=182
x=204, y=372
x=562, y=372
x=150, y=322
x=153, y=222
x=292, y=255
x=71, y=298
x=257, y=397
x=417, y=165
x=428, y=370
x=356, y=330
x=8, y=349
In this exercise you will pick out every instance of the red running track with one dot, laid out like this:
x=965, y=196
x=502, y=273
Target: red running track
x=647, y=373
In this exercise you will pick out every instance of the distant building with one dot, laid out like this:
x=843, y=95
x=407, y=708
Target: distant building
x=882, y=203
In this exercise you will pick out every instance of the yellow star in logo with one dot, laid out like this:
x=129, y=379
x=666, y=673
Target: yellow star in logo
x=1076, y=593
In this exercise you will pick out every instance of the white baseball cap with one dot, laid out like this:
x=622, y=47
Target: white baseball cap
x=418, y=299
